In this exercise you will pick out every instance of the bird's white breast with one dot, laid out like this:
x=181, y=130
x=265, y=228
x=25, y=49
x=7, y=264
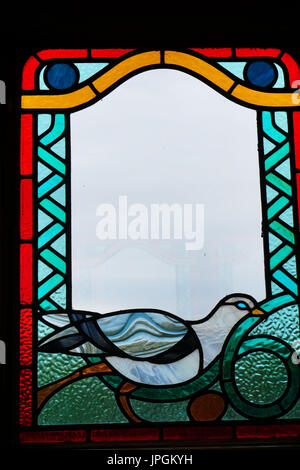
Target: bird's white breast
x=213, y=332
x=148, y=373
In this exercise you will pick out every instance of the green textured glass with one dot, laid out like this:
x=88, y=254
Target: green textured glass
x=86, y=402
x=261, y=377
x=158, y=412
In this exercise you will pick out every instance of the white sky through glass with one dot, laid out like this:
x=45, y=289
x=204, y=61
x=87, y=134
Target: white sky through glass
x=166, y=137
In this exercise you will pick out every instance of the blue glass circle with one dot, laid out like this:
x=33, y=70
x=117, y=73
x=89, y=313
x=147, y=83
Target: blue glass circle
x=61, y=76
x=261, y=73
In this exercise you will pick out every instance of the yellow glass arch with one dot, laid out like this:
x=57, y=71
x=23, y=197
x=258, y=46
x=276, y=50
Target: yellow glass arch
x=199, y=67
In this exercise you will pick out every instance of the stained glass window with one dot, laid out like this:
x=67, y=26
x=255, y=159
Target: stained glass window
x=158, y=246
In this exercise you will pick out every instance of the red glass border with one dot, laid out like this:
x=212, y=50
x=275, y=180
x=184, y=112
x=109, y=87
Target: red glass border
x=267, y=431
x=26, y=266
x=168, y=434
x=25, y=337
x=26, y=144
x=25, y=401
x=198, y=434
x=53, y=436
x=212, y=52
x=26, y=222
x=28, y=75
x=63, y=54
x=195, y=433
x=109, y=53
x=26, y=272
x=126, y=434
x=256, y=52
x=292, y=68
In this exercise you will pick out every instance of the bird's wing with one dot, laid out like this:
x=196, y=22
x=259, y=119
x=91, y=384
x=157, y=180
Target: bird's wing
x=66, y=338
x=143, y=334
x=139, y=334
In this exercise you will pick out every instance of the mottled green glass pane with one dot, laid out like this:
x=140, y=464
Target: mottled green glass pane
x=294, y=412
x=87, y=401
x=261, y=377
x=231, y=415
x=283, y=324
x=161, y=412
x=53, y=367
x=43, y=330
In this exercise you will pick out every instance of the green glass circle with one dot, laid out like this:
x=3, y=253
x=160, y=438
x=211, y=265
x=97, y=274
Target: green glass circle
x=260, y=377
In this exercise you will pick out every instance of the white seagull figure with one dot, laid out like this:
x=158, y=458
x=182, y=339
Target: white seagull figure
x=144, y=346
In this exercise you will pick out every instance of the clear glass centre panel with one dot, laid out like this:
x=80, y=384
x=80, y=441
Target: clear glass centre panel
x=166, y=209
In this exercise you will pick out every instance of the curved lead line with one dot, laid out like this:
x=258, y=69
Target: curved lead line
x=198, y=66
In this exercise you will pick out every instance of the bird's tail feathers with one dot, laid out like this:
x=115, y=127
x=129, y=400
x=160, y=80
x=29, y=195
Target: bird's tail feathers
x=66, y=338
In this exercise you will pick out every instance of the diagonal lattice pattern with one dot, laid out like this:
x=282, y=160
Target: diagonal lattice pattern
x=279, y=211
x=51, y=195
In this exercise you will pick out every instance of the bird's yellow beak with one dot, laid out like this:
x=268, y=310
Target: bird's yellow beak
x=256, y=311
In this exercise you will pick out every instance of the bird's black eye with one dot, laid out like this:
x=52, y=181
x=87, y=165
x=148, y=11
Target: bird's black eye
x=241, y=305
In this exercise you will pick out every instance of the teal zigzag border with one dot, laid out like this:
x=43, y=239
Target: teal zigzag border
x=51, y=196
